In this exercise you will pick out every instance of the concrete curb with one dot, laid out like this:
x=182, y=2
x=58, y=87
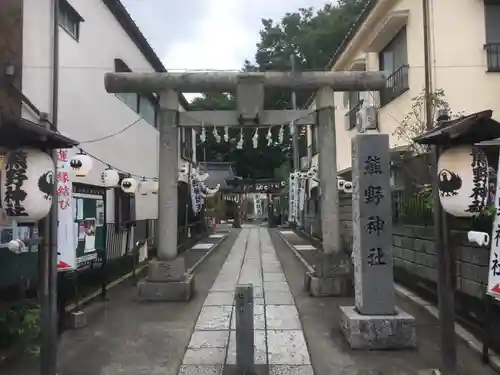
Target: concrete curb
x=212, y=249
x=460, y=331
x=308, y=267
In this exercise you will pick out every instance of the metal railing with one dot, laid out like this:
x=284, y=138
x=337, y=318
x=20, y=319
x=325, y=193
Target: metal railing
x=492, y=56
x=397, y=83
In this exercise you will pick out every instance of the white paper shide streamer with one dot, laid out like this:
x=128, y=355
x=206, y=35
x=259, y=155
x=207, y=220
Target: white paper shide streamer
x=216, y=135
x=281, y=134
x=239, y=145
x=255, y=138
x=269, y=137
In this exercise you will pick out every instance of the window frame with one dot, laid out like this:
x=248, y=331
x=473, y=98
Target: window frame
x=492, y=36
x=398, y=74
x=68, y=14
x=135, y=98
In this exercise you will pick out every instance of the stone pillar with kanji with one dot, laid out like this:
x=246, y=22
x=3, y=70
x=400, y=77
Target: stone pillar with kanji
x=375, y=322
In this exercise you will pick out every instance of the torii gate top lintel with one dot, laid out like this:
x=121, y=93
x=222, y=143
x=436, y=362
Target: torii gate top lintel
x=195, y=82
x=249, y=87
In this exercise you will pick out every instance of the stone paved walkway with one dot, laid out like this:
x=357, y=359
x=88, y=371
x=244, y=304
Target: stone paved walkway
x=280, y=345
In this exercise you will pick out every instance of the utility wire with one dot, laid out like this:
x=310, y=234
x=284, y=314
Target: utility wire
x=113, y=134
x=154, y=178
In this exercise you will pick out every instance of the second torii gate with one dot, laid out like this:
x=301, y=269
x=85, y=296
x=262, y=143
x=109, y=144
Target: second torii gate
x=167, y=276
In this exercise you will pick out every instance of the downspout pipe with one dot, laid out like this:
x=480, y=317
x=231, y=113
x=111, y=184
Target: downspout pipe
x=49, y=328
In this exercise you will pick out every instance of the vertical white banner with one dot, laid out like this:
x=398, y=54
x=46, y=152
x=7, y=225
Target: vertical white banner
x=196, y=201
x=302, y=197
x=291, y=198
x=66, y=239
x=494, y=269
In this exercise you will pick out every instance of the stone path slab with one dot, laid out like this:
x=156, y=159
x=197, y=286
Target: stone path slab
x=279, y=342
x=202, y=246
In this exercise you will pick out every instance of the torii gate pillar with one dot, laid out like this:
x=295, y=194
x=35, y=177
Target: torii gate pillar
x=168, y=280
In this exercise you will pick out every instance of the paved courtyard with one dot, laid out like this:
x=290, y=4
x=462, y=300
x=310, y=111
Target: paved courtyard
x=280, y=346
x=295, y=334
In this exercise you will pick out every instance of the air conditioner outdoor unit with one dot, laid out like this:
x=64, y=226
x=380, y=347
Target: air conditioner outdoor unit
x=366, y=119
x=304, y=162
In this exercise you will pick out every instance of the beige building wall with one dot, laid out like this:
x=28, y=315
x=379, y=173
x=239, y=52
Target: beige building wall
x=459, y=65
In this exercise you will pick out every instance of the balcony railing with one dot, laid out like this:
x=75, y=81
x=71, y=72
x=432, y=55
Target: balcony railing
x=493, y=56
x=396, y=84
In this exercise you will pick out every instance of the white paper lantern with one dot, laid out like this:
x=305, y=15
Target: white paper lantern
x=129, y=185
x=27, y=179
x=348, y=186
x=144, y=187
x=110, y=177
x=154, y=186
x=17, y=246
x=81, y=164
x=340, y=184
x=463, y=181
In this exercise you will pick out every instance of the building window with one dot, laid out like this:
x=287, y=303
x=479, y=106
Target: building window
x=492, y=46
x=145, y=105
x=69, y=19
x=187, y=143
x=393, y=60
x=147, y=109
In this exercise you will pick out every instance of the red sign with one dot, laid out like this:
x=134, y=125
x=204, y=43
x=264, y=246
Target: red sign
x=496, y=289
x=62, y=155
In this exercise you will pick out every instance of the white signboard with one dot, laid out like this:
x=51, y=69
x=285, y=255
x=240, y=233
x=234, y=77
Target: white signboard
x=66, y=238
x=494, y=268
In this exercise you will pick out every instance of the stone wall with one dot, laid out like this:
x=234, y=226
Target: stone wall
x=415, y=256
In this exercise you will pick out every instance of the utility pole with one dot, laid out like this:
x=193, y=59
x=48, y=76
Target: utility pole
x=445, y=288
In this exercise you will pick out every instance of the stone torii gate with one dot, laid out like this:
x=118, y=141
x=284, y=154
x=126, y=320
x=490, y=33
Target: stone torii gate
x=167, y=279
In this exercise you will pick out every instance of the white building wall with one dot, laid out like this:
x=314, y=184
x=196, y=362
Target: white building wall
x=86, y=111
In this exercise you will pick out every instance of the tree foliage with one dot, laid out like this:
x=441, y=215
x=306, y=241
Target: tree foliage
x=414, y=122
x=312, y=37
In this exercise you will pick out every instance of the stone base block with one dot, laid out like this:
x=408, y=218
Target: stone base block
x=378, y=332
x=167, y=270
x=339, y=286
x=169, y=291
x=77, y=319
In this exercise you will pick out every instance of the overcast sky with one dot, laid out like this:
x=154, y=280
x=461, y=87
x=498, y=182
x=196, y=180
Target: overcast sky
x=207, y=34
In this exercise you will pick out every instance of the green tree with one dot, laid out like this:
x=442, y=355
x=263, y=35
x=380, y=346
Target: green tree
x=313, y=37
